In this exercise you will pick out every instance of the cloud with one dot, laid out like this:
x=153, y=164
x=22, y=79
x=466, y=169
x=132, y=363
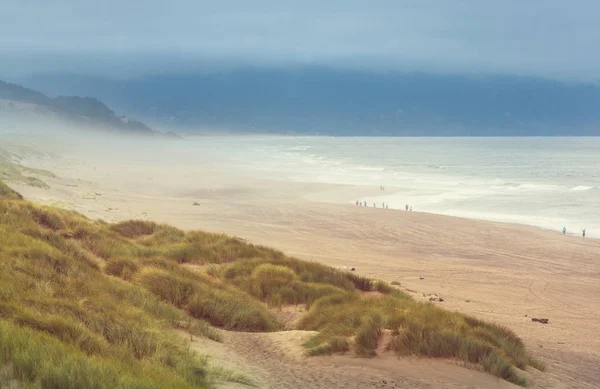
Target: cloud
x=547, y=38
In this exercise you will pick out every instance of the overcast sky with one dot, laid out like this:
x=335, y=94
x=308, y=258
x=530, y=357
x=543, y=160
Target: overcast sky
x=550, y=38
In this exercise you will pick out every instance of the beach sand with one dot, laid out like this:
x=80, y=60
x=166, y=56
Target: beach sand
x=505, y=273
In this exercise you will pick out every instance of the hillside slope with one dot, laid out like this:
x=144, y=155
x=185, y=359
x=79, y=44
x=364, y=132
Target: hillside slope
x=82, y=111
x=313, y=100
x=103, y=299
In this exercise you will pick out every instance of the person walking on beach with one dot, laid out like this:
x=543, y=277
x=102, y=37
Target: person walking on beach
x=406, y=207
x=583, y=233
x=564, y=230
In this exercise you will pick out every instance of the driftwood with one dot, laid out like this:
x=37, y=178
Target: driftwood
x=543, y=321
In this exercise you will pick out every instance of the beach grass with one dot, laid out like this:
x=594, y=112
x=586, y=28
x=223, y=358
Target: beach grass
x=104, y=299
x=421, y=329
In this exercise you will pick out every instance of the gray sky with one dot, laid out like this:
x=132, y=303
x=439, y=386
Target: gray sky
x=550, y=38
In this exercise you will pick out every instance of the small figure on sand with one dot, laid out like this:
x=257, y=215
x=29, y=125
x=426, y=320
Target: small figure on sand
x=374, y=205
x=386, y=206
x=357, y=203
x=583, y=233
x=564, y=230
x=406, y=207
x=411, y=208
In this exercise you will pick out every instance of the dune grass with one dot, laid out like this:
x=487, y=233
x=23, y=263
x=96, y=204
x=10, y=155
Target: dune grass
x=35, y=357
x=103, y=299
x=64, y=323
x=420, y=329
x=202, y=298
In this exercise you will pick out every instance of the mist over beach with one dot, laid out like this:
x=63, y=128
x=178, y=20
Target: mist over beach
x=544, y=182
x=306, y=195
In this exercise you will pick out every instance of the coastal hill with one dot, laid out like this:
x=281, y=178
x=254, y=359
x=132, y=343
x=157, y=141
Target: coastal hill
x=315, y=100
x=20, y=102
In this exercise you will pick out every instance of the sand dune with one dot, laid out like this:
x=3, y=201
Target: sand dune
x=501, y=272
x=277, y=360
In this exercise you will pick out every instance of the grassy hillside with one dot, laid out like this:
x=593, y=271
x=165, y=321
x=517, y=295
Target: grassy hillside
x=85, y=304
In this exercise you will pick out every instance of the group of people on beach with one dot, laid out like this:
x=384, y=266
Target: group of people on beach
x=365, y=204
x=564, y=231
x=384, y=205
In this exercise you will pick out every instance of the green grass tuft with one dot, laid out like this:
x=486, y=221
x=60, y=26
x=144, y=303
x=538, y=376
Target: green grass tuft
x=335, y=345
x=367, y=336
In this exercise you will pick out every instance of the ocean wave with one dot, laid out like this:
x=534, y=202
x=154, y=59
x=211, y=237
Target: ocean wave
x=538, y=186
x=580, y=188
x=298, y=148
x=371, y=168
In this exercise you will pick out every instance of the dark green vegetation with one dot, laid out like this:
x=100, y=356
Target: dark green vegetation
x=87, y=304
x=314, y=99
x=79, y=110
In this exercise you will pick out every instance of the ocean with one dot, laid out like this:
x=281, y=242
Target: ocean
x=546, y=182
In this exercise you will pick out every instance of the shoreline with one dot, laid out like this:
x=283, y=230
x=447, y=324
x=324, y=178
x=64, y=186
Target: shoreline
x=365, y=193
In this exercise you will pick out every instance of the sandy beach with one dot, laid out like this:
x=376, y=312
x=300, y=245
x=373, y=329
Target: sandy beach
x=505, y=273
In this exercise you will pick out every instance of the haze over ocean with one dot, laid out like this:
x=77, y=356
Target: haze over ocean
x=544, y=181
